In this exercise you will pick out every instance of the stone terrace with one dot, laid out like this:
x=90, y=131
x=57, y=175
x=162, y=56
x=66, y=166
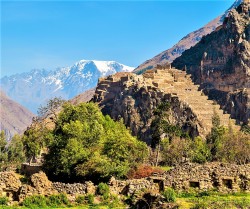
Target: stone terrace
x=179, y=83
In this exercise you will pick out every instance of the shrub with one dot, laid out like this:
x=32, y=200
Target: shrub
x=114, y=202
x=102, y=188
x=81, y=199
x=35, y=201
x=169, y=195
x=90, y=199
x=142, y=171
x=57, y=200
x=3, y=200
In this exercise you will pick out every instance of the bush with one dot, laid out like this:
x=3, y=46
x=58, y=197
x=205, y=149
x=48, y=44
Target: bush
x=85, y=143
x=81, y=199
x=90, y=199
x=57, y=200
x=169, y=195
x=115, y=202
x=102, y=188
x=35, y=201
x=3, y=200
x=142, y=172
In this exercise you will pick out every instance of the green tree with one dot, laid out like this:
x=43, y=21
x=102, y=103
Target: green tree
x=15, y=150
x=234, y=148
x=87, y=144
x=35, y=138
x=51, y=108
x=175, y=152
x=3, y=152
x=216, y=135
x=199, y=151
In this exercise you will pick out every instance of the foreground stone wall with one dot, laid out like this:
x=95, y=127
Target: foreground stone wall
x=220, y=176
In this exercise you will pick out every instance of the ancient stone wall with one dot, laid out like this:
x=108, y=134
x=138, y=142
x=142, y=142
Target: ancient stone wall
x=134, y=98
x=210, y=176
x=221, y=176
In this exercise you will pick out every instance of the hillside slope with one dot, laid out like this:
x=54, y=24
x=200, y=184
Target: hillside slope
x=13, y=117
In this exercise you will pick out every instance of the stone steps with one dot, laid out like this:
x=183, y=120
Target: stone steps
x=179, y=84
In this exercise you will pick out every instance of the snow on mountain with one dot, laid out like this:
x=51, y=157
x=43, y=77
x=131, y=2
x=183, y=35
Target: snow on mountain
x=32, y=89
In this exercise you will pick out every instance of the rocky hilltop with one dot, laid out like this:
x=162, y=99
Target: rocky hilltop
x=135, y=98
x=185, y=43
x=14, y=118
x=220, y=63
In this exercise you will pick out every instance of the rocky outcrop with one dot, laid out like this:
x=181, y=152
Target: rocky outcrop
x=9, y=185
x=221, y=62
x=135, y=98
x=40, y=185
x=223, y=177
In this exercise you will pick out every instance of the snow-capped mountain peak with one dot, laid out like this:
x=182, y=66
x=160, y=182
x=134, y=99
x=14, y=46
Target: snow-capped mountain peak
x=35, y=87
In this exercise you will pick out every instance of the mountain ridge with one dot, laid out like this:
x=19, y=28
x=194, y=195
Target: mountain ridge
x=32, y=89
x=185, y=43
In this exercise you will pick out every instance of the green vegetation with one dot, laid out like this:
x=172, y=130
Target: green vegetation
x=13, y=154
x=184, y=200
x=213, y=200
x=103, y=190
x=3, y=201
x=227, y=145
x=173, y=146
x=87, y=145
x=169, y=195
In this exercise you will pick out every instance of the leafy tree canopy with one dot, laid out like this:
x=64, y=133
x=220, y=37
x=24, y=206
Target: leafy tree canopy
x=86, y=145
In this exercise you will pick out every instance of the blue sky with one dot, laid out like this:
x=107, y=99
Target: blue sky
x=50, y=34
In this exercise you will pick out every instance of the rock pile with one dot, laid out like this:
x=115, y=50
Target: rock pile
x=40, y=185
x=9, y=185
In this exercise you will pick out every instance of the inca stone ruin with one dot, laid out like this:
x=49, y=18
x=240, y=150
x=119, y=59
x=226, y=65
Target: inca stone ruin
x=134, y=98
x=220, y=176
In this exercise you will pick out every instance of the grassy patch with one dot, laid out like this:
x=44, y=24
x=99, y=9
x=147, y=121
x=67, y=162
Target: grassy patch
x=165, y=168
x=214, y=200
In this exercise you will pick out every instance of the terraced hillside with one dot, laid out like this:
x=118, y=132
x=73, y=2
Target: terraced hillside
x=135, y=97
x=180, y=84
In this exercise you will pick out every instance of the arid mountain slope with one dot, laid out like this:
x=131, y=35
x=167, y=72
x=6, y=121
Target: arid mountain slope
x=83, y=97
x=220, y=62
x=187, y=42
x=14, y=118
